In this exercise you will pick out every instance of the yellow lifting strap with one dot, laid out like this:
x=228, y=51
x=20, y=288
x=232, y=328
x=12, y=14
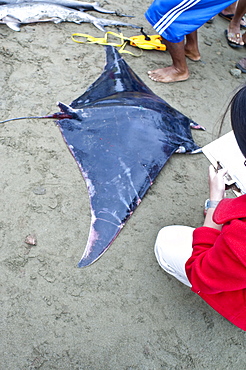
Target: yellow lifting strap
x=143, y=41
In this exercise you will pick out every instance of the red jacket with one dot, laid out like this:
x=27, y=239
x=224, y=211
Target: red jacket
x=217, y=266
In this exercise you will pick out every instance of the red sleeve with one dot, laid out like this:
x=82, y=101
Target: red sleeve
x=218, y=260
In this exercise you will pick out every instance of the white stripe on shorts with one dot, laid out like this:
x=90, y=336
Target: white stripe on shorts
x=172, y=14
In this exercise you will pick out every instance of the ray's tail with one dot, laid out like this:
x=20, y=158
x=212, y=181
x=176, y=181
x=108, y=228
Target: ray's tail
x=59, y=115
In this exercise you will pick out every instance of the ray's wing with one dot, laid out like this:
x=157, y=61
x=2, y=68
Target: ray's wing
x=124, y=138
x=116, y=78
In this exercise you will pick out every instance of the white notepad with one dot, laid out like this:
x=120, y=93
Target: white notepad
x=226, y=152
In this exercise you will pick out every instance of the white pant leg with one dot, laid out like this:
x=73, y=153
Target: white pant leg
x=173, y=247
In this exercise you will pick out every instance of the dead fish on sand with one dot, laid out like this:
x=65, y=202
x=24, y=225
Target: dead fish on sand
x=14, y=15
x=74, y=4
x=121, y=135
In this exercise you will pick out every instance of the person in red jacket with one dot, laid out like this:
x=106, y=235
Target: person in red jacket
x=212, y=259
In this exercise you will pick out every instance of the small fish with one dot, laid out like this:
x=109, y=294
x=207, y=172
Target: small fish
x=75, y=4
x=14, y=15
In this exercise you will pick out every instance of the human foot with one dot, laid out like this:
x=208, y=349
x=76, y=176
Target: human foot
x=242, y=65
x=191, y=49
x=234, y=39
x=195, y=57
x=168, y=74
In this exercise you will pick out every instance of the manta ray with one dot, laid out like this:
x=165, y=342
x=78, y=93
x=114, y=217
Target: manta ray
x=121, y=135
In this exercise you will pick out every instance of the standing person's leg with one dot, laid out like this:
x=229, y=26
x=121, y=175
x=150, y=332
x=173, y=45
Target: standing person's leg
x=229, y=12
x=173, y=248
x=178, y=71
x=191, y=47
x=233, y=33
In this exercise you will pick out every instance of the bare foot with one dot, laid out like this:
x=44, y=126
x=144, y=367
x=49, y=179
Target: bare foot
x=195, y=57
x=168, y=74
x=191, y=47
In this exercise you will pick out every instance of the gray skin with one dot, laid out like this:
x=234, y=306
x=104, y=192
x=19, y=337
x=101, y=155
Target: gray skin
x=14, y=15
x=75, y=4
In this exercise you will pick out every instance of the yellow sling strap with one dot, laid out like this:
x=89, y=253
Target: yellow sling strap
x=143, y=41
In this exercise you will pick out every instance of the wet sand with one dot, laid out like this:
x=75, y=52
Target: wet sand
x=123, y=312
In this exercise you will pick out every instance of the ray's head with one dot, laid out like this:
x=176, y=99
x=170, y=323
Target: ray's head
x=238, y=118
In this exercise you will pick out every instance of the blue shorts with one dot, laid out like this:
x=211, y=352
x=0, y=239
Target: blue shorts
x=173, y=19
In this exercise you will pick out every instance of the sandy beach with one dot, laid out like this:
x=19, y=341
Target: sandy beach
x=123, y=312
